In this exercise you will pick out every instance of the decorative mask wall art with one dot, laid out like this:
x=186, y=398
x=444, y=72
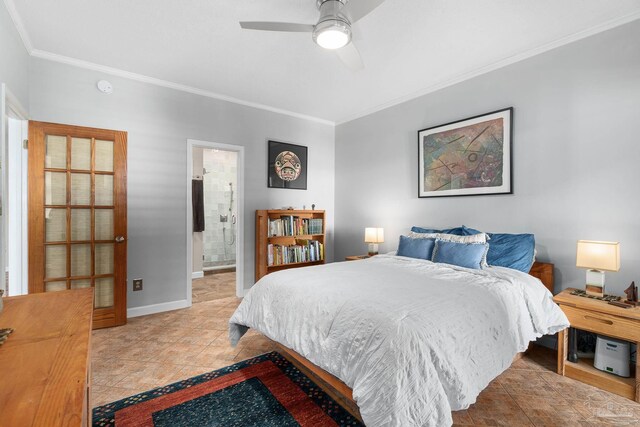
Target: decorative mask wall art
x=287, y=166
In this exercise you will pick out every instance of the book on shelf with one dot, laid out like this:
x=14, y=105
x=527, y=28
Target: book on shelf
x=303, y=251
x=291, y=225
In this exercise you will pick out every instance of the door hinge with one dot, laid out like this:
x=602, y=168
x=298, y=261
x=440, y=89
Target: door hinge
x=25, y=144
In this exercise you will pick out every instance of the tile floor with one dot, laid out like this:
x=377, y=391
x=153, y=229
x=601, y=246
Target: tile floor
x=531, y=393
x=160, y=349
x=214, y=286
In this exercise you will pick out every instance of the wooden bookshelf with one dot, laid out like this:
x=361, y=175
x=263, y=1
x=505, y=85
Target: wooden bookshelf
x=264, y=238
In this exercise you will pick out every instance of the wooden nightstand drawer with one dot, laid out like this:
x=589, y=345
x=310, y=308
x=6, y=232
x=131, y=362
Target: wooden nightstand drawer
x=605, y=324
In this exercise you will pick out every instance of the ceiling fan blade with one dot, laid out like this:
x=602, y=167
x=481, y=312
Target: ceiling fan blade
x=350, y=56
x=277, y=26
x=358, y=9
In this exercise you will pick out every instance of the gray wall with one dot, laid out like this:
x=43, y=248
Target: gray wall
x=14, y=59
x=576, y=157
x=159, y=122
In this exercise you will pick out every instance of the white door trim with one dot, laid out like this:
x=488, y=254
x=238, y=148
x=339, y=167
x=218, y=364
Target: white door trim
x=194, y=143
x=14, y=106
x=15, y=208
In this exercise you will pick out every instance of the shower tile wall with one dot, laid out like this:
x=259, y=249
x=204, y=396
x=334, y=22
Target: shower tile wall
x=219, y=238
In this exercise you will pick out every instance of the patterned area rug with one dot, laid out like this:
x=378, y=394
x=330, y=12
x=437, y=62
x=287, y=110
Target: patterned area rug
x=264, y=391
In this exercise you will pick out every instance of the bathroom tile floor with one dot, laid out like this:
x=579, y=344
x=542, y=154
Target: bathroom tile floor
x=160, y=349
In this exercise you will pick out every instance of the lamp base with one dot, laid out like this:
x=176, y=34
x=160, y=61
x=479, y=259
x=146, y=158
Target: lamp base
x=373, y=249
x=595, y=283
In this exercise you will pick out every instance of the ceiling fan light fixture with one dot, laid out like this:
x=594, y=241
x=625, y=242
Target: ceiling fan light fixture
x=332, y=34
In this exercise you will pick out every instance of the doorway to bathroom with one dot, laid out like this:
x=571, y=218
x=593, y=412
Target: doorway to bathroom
x=215, y=227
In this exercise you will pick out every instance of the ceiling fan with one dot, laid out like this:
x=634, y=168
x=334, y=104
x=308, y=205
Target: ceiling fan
x=333, y=30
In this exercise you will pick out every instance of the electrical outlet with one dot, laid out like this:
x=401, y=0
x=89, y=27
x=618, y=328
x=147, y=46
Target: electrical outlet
x=137, y=284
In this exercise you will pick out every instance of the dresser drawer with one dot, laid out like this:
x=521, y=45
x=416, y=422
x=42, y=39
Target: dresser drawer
x=605, y=324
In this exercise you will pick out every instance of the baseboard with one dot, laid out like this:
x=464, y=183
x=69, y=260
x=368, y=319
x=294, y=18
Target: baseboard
x=157, y=308
x=197, y=275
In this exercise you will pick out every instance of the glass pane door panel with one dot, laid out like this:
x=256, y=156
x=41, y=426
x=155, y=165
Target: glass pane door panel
x=81, y=260
x=104, y=190
x=55, y=261
x=55, y=152
x=55, y=286
x=104, y=156
x=104, y=224
x=104, y=292
x=55, y=225
x=74, y=173
x=104, y=258
x=81, y=154
x=55, y=188
x=83, y=283
x=80, y=189
x=80, y=224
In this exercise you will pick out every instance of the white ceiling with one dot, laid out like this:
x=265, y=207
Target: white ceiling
x=409, y=47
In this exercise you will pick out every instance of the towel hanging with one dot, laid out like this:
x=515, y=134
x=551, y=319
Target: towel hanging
x=197, y=201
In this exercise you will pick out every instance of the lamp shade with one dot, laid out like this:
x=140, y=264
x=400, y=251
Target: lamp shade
x=373, y=235
x=598, y=255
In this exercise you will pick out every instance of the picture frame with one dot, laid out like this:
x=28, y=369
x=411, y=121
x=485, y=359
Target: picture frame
x=468, y=157
x=286, y=165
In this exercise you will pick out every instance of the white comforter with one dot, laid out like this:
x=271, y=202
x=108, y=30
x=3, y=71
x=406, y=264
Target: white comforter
x=413, y=339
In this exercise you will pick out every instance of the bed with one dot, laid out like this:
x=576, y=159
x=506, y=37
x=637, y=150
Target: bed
x=407, y=340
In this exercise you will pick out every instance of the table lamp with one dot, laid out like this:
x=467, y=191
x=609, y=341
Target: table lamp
x=373, y=236
x=598, y=257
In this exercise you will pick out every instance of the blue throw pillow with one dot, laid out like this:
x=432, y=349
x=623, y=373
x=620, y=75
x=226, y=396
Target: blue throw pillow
x=469, y=255
x=466, y=231
x=415, y=248
x=509, y=250
x=458, y=231
x=512, y=250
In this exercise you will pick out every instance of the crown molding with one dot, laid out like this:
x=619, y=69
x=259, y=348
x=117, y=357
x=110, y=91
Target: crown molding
x=496, y=65
x=167, y=84
x=37, y=53
x=17, y=22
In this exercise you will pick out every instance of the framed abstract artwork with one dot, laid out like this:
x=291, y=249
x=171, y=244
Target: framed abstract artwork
x=287, y=166
x=468, y=157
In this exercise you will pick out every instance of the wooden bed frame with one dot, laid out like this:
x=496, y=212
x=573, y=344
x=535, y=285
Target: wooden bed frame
x=341, y=393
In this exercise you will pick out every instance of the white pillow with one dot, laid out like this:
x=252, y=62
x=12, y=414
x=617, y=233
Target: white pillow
x=475, y=238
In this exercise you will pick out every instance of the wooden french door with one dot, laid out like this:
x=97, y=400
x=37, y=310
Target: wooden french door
x=78, y=215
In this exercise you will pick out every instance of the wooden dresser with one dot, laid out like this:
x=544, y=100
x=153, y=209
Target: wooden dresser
x=45, y=363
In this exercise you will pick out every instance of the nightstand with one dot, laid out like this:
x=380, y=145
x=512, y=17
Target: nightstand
x=356, y=257
x=597, y=316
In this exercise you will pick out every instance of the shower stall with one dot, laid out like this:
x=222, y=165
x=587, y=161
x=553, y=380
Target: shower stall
x=220, y=208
